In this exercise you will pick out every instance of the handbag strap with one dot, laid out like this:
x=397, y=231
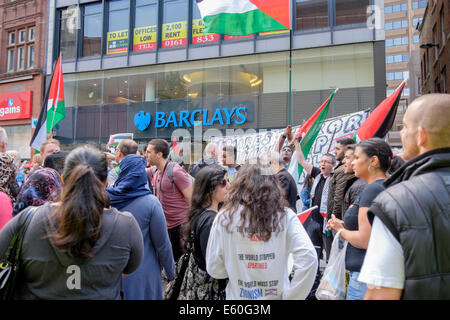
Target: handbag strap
x=16, y=242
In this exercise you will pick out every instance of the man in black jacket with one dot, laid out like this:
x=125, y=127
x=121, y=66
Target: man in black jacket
x=287, y=182
x=408, y=252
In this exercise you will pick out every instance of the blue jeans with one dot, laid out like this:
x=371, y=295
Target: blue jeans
x=356, y=290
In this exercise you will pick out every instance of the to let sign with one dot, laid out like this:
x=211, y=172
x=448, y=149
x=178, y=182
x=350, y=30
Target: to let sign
x=15, y=105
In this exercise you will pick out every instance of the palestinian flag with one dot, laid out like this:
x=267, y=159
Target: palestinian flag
x=175, y=147
x=382, y=117
x=52, y=110
x=311, y=128
x=244, y=17
x=302, y=216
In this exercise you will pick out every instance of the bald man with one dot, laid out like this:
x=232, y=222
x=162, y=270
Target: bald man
x=408, y=252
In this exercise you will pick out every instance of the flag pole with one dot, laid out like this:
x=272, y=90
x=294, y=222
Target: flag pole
x=290, y=64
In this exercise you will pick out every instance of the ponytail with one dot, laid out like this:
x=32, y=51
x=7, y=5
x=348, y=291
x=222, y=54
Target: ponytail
x=77, y=221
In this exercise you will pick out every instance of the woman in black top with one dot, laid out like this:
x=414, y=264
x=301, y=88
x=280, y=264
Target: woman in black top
x=209, y=191
x=372, y=159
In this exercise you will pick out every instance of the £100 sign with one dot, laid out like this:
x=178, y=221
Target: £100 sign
x=15, y=105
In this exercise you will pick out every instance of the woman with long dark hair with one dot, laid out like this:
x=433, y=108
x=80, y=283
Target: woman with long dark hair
x=372, y=159
x=210, y=189
x=252, y=237
x=76, y=248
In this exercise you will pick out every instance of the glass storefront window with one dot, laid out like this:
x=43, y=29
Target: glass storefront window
x=145, y=25
x=68, y=33
x=116, y=88
x=118, y=24
x=174, y=27
x=311, y=14
x=213, y=90
x=92, y=30
x=351, y=12
x=198, y=37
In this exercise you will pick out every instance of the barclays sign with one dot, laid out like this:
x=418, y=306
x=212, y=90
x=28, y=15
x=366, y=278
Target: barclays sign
x=186, y=119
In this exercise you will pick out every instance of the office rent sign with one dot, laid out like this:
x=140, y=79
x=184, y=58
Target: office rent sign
x=117, y=42
x=15, y=105
x=174, y=34
x=198, y=36
x=145, y=38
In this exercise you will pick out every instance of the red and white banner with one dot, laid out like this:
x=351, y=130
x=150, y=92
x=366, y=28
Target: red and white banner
x=15, y=105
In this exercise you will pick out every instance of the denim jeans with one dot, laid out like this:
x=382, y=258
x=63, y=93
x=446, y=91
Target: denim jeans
x=356, y=290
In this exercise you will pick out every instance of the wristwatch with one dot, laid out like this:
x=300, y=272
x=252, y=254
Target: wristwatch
x=283, y=136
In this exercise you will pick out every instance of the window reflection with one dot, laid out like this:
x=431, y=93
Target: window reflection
x=117, y=36
x=174, y=28
x=92, y=31
x=311, y=14
x=350, y=12
x=68, y=33
x=146, y=25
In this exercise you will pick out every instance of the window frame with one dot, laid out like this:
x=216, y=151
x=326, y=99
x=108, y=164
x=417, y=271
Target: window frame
x=11, y=64
x=24, y=33
x=30, y=64
x=21, y=59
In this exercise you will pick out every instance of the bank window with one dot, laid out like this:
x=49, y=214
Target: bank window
x=145, y=35
x=12, y=38
x=11, y=60
x=174, y=27
x=351, y=12
x=68, y=33
x=92, y=30
x=198, y=27
x=118, y=24
x=311, y=14
x=30, y=61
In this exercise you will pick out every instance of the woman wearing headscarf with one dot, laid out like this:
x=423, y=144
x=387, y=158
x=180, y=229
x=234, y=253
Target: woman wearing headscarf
x=7, y=179
x=77, y=248
x=131, y=193
x=43, y=185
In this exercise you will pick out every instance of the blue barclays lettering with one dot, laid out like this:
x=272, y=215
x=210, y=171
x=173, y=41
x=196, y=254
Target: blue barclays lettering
x=243, y=118
x=229, y=114
x=172, y=119
x=183, y=118
x=193, y=117
x=205, y=118
x=217, y=117
x=159, y=119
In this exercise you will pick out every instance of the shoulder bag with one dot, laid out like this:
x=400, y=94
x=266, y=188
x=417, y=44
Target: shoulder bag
x=10, y=260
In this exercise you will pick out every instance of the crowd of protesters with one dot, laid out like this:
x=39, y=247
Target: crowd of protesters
x=131, y=223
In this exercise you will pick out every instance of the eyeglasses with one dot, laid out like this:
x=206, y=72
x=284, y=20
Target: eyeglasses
x=325, y=162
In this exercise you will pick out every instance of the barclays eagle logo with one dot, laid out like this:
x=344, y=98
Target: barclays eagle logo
x=142, y=120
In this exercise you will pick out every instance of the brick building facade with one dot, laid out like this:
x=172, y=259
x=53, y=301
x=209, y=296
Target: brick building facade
x=22, y=57
x=435, y=47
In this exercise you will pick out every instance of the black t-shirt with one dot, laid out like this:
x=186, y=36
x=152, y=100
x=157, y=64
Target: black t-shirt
x=203, y=227
x=316, y=201
x=369, y=194
x=354, y=257
x=289, y=186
